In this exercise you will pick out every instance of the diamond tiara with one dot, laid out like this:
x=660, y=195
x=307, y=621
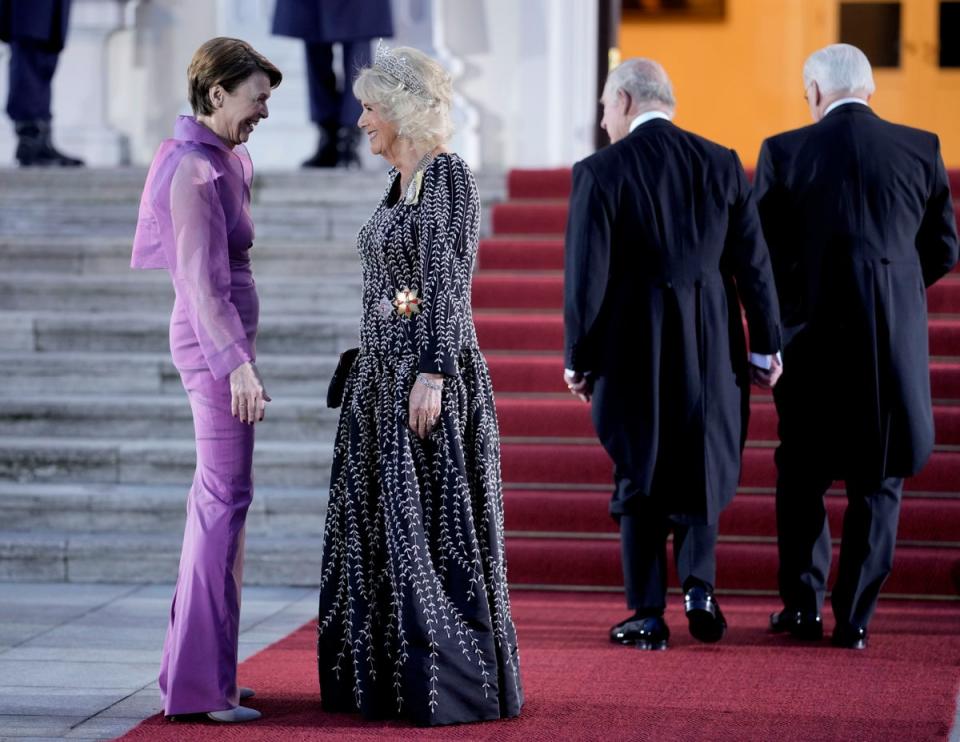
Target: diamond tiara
x=397, y=66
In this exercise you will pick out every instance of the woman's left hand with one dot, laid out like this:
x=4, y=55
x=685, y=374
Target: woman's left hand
x=425, y=404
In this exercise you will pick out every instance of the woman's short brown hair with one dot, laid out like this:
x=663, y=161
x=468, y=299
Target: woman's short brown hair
x=226, y=62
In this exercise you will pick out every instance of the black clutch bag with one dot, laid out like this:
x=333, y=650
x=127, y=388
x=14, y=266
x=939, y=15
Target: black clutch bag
x=339, y=379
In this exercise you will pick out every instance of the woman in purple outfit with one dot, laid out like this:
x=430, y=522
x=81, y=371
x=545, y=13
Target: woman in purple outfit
x=195, y=222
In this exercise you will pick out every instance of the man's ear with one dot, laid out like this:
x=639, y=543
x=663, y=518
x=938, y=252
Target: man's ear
x=817, y=95
x=215, y=94
x=624, y=97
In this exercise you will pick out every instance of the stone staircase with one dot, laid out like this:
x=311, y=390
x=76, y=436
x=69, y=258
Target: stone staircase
x=96, y=446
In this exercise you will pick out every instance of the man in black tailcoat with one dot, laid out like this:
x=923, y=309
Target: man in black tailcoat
x=662, y=236
x=859, y=220
x=35, y=31
x=321, y=24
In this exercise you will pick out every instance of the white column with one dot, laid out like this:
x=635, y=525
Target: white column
x=147, y=64
x=288, y=137
x=529, y=71
x=424, y=24
x=8, y=138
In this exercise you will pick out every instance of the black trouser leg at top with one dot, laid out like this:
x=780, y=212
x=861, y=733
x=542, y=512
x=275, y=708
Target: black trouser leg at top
x=803, y=533
x=643, y=545
x=32, y=66
x=695, y=553
x=356, y=56
x=322, y=85
x=867, y=548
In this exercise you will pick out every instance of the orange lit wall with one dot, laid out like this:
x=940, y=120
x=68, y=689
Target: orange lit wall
x=739, y=80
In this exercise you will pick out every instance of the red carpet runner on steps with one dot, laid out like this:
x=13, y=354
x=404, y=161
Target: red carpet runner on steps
x=581, y=687
x=557, y=478
x=557, y=481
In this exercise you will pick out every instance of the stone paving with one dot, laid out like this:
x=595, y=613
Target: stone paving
x=80, y=661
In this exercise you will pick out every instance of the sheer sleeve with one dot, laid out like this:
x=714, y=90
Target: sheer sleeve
x=200, y=265
x=449, y=207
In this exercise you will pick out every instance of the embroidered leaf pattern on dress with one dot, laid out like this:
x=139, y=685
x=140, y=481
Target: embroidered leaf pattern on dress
x=415, y=614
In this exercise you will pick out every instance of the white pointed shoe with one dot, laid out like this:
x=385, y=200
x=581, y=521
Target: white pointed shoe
x=246, y=693
x=234, y=715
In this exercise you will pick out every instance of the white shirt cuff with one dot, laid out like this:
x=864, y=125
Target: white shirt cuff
x=764, y=362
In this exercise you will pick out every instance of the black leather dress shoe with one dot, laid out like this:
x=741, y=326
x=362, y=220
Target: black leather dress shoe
x=849, y=637
x=643, y=633
x=707, y=623
x=805, y=626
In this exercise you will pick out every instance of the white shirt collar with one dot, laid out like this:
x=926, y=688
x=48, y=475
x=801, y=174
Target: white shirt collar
x=649, y=116
x=843, y=102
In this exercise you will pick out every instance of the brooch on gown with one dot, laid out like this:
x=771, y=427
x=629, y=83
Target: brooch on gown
x=407, y=302
x=412, y=194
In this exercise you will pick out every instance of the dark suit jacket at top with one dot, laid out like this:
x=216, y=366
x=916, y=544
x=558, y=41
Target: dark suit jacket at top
x=661, y=224
x=859, y=220
x=327, y=21
x=39, y=20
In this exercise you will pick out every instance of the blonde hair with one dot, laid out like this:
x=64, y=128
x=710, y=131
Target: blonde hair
x=422, y=116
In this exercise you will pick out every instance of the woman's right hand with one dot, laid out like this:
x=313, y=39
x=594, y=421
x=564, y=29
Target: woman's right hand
x=248, y=398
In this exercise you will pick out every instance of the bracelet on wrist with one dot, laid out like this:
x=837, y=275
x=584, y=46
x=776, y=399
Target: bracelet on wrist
x=436, y=386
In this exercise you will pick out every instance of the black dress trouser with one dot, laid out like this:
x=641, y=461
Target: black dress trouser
x=809, y=436
x=804, y=543
x=329, y=106
x=32, y=64
x=643, y=542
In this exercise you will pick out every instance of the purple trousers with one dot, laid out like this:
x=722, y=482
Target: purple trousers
x=199, y=667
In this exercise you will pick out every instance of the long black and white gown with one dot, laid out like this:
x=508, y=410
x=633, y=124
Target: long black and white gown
x=415, y=615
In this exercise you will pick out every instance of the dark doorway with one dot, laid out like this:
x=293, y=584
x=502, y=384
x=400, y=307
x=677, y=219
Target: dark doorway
x=874, y=28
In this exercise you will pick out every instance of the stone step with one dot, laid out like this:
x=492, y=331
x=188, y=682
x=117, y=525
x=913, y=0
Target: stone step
x=302, y=419
x=120, y=461
x=328, y=206
x=305, y=186
x=125, y=185
x=107, y=374
x=138, y=332
x=273, y=222
x=120, y=557
x=96, y=257
x=308, y=187
x=332, y=294
x=139, y=508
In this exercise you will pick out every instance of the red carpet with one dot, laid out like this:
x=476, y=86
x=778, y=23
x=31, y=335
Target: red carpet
x=558, y=478
x=751, y=686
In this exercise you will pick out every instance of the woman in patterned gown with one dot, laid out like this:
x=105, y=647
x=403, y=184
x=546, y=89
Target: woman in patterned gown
x=414, y=607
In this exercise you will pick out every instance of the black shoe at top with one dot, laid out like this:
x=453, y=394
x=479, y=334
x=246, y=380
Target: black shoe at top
x=706, y=620
x=649, y=632
x=800, y=625
x=849, y=637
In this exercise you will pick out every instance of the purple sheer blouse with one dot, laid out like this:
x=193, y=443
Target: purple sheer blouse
x=194, y=221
